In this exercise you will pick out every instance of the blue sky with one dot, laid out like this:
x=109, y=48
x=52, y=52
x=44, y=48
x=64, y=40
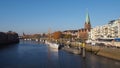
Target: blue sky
x=37, y=16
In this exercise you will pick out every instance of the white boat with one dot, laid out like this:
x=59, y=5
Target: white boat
x=53, y=45
x=36, y=40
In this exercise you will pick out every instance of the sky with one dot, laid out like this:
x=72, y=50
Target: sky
x=38, y=16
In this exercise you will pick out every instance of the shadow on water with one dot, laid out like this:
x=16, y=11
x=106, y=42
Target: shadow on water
x=8, y=46
x=68, y=60
x=94, y=61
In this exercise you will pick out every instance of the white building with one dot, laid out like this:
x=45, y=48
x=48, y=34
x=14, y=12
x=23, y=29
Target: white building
x=108, y=31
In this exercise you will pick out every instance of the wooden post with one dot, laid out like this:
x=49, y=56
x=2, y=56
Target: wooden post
x=79, y=48
x=83, y=50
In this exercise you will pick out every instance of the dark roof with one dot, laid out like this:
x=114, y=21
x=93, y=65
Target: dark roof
x=111, y=22
x=70, y=31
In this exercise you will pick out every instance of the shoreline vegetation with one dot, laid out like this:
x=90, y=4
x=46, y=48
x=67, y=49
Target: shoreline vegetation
x=9, y=37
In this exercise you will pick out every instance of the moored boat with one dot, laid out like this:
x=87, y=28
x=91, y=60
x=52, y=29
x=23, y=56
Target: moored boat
x=53, y=45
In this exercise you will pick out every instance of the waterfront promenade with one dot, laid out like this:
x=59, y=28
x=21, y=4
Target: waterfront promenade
x=109, y=52
x=101, y=49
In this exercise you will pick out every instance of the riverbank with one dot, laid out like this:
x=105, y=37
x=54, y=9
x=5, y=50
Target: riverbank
x=72, y=50
x=109, y=52
x=7, y=38
x=112, y=53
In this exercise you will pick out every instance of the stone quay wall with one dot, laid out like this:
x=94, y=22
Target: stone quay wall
x=108, y=52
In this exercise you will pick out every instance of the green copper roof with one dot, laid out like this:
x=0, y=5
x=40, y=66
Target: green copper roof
x=87, y=18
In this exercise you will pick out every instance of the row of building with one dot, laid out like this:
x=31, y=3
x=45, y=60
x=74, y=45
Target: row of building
x=107, y=31
x=83, y=32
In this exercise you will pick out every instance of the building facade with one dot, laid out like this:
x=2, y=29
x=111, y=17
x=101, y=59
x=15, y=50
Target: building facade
x=83, y=33
x=108, y=31
x=71, y=32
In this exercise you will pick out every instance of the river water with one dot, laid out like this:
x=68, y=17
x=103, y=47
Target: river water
x=30, y=54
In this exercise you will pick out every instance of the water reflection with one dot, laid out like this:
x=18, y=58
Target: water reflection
x=53, y=57
x=53, y=52
x=30, y=54
x=94, y=61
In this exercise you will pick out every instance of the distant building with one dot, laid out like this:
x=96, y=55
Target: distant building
x=71, y=32
x=83, y=33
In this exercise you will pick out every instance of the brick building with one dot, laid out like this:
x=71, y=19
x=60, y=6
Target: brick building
x=83, y=33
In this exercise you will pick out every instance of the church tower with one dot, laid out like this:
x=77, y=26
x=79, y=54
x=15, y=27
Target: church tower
x=87, y=22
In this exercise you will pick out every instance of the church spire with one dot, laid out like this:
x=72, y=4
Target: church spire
x=87, y=22
x=87, y=19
